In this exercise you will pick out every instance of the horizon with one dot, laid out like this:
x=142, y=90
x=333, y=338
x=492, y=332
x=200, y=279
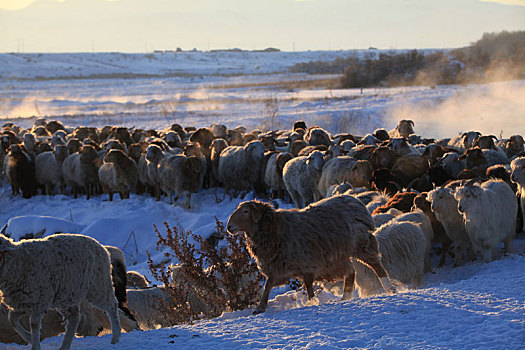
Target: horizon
x=131, y=26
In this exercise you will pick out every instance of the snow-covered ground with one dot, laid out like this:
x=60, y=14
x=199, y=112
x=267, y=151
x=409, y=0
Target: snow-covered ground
x=476, y=306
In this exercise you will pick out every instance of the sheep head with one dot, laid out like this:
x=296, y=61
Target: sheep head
x=154, y=153
x=405, y=127
x=245, y=217
x=88, y=154
x=518, y=171
x=315, y=160
x=467, y=195
x=440, y=199
x=258, y=220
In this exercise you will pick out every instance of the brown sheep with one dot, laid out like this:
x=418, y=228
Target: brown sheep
x=19, y=170
x=514, y=146
x=314, y=243
x=296, y=146
x=317, y=136
x=118, y=174
x=401, y=201
x=54, y=125
x=383, y=157
x=404, y=128
x=136, y=281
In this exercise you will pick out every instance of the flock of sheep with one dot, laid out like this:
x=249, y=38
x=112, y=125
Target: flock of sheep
x=370, y=210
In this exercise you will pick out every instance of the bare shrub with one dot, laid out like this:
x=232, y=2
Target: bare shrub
x=224, y=278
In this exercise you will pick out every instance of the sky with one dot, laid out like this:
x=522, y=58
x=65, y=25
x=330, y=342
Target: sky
x=144, y=26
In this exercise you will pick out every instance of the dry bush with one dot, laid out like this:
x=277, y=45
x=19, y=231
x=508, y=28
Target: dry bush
x=224, y=279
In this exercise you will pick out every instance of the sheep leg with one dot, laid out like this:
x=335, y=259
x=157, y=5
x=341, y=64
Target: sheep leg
x=348, y=286
x=188, y=198
x=507, y=244
x=308, y=280
x=72, y=317
x=36, y=323
x=375, y=264
x=114, y=319
x=458, y=255
x=268, y=285
x=444, y=250
x=14, y=318
x=110, y=194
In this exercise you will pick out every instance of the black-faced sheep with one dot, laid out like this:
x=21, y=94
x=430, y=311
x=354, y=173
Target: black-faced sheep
x=489, y=211
x=77, y=269
x=180, y=175
x=313, y=244
x=118, y=174
x=301, y=177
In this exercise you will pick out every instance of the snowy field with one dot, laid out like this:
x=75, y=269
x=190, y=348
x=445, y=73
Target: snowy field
x=475, y=306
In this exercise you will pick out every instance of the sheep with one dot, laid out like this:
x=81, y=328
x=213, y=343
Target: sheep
x=489, y=211
x=440, y=236
x=464, y=141
x=29, y=143
x=518, y=177
x=118, y=174
x=48, y=168
x=217, y=146
x=514, y=146
x=382, y=218
x=401, y=147
x=369, y=140
x=404, y=128
x=180, y=175
x=54, y=125
x=402, y=248
x=381, y=134
x=294, y=147
x=240, y=167
x=219, y=130
x=383, y=157
x=419, y=218
x=77, y=268
x=317, y=136
x=401, y=201
x=452, y=163
x=486, y=142
x=445, y=206
x=19, y=169
x=81, y=170
x=301, y=177
x=383, y=180
x=154, y=155
x=273, y=176
x=345, y=169
x=313, y=244
x=136, y=280
x=338, y=189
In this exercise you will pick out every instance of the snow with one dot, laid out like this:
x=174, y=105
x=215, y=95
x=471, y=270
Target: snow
x=475, y=306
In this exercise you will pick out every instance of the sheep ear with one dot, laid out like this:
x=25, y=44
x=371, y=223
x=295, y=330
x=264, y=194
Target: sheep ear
x=256, y=214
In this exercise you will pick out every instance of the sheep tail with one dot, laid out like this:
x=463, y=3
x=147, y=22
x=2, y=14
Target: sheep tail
x=120, y=281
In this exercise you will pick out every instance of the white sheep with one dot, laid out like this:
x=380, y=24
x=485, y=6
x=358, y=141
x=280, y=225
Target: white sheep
x=240, y=166
x=301, y=177
x=445, y=206
x=344, y=169
x=81, y=170
x=518, y=177
x=48, y=168
x=180, y=175
x=404, y=128
x=403, y=248
x=77, y=268
x=489, y=211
